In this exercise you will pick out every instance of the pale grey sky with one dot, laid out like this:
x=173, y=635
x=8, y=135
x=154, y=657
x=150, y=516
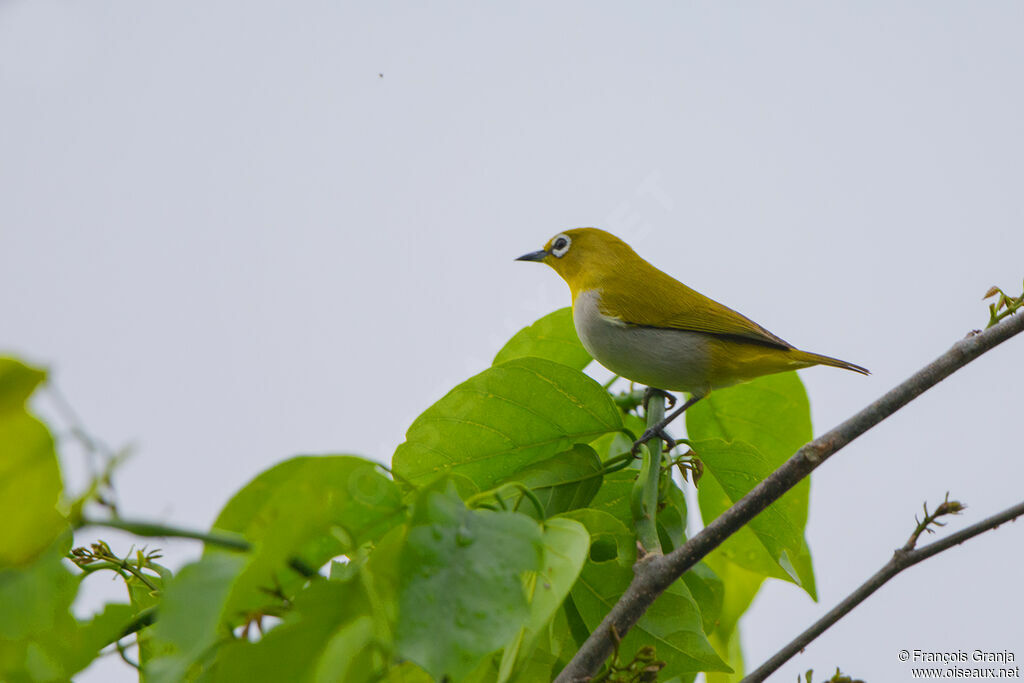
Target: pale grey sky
x=232, y=240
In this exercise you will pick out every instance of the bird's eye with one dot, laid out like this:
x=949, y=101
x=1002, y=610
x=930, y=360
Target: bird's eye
x=560, y=245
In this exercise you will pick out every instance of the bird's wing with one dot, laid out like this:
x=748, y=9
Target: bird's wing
x=667, y=303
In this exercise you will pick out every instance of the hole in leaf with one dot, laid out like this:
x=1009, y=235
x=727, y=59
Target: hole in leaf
x=603, y=549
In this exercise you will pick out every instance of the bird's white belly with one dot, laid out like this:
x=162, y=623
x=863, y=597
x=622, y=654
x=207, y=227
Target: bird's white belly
x=661, y=358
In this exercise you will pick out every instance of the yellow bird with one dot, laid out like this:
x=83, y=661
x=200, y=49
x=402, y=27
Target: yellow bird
x=648, y=327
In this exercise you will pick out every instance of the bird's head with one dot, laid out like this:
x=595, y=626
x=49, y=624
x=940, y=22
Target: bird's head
x=584, y=257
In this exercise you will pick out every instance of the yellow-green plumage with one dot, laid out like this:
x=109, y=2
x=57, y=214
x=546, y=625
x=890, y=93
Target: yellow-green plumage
x=648, y=327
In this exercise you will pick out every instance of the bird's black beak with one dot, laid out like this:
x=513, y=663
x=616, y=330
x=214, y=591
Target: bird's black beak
x=534, y=256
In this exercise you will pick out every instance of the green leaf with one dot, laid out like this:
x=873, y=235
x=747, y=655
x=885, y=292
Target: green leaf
x=740, y=588
x=563, y=482
x=617, y=443
x=310, y=642
x=731, y=651
x=348, y=655
x=507, y=417
x=708, y=590
x=743, y=546
x=552, y=337
x=771, y=541
x=384, y=569
x=192, y=615
x=338, y=629
x=310, y=507
x=143, y=597
x=672, y=625
x=738, y=467
x=554, y=647
x=30, y=487
x=551, y=651
x=407, y=672
x=460, y=586
x=577, y=628
x=614, y=495
x=39, y=638
x=671, y=517
x=614, y=498
x=804, y=567
x=30, y=481
x=17, y=382
x=565, y=544
x=565, y=547
x=772, y=415
x=98, y=632
x=35, y=617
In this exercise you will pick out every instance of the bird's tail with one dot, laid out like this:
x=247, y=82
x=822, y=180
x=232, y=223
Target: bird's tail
x=817, y=358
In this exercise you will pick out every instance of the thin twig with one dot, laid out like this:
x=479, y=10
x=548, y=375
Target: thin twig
x=655, y=573
x=222, y=539
x=901, y=559
x=100, y=460
x=947, y=507
x=138, y=528
x=614, y=464
x=146, y=617
x=1011, y=304
x=117, y=567
x=92, y=445
x=123, y=652
x=100, y=556
x=496, y=493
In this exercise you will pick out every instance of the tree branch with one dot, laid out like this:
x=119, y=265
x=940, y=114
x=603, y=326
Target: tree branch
x=902, y=559
x=654, y=573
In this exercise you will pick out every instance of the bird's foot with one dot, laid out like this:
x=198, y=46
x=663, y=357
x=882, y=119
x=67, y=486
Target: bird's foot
x=651, y=392
x=655, y=432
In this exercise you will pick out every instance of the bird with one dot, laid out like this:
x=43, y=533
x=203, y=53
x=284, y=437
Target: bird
x=643, y=324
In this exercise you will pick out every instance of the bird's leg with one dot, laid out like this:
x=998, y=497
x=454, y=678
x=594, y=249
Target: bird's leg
x=658, y=430
x=651, y=392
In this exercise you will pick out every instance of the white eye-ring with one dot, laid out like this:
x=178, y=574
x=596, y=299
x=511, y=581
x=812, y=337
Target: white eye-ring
x=560, y=245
